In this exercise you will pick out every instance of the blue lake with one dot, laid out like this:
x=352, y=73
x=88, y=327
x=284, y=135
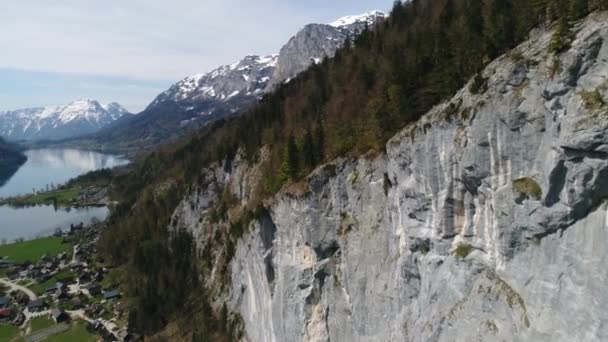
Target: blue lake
x=46, y=167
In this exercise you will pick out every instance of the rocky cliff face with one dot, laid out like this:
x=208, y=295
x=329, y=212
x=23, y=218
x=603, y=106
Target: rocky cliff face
x=486, y=220
x=317, y=41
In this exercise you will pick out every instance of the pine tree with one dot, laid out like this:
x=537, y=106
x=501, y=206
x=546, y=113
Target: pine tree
x=578, y=9
x=560, y=40
x=319, y=142
x=308, y=150
x=289, y=166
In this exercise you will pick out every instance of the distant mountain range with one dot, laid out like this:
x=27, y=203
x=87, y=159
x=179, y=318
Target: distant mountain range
x=229, y=89
x=53, y=123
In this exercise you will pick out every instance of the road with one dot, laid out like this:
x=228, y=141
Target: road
x=15, y=286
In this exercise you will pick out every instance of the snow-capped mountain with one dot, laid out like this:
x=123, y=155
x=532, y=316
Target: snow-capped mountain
x=360, y=20
x=317, y=41
x=58, y=122
x=231, y=86
x=224, y=86
x=227, y=90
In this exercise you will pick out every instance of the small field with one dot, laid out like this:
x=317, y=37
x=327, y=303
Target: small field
x=62, y=197
x=39, y=288
x=77, y=333
x=9, y=333
x=40, y=323
x=33, y=250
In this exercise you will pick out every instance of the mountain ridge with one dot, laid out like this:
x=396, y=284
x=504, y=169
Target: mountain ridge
x=76, y=118
x=229, y=89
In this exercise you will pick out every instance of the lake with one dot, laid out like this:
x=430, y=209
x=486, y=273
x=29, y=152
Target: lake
x=32, y=222
x=46, y=167
x=55, y=166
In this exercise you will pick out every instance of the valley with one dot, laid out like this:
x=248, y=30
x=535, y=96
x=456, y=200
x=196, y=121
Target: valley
x=438, y=173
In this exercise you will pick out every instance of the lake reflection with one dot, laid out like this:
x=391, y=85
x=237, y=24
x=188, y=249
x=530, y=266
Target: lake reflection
x=55, y=166
x=37, y=221
x=43, y=168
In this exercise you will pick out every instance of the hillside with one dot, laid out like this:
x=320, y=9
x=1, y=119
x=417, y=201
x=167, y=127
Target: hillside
x=436, y=180
x=11, y=158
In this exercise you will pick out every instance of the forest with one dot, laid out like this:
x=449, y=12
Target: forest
x=380, y=82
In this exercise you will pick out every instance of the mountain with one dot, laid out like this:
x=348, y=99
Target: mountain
x=317, y=41
x=432, y=183
x=52, y=123
x=10, y=160
x=202, y=98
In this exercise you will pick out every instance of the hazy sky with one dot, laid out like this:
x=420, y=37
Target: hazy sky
x=130, y=50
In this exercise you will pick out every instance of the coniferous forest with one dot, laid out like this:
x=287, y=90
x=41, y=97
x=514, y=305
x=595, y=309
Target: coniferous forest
x=388, y=77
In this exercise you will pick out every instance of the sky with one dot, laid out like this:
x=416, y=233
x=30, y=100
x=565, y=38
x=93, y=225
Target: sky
x=129, y=51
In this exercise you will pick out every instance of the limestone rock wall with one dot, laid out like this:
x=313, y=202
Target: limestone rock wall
x=484, y=221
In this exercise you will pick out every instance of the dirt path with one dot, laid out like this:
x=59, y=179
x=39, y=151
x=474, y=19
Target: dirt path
x=15, y=286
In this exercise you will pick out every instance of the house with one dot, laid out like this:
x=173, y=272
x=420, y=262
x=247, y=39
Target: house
x=54, y=288
x=85, y=278
x=36, y=305
x=5, y=315
x=77, y=266
x=13, y=274
x=94, y=289
x=59, y=315
x=5, y=263
x=62, y=256
x=76, y=303
x=21, y=298
x=76, y=228
x=124, y=335
x=4, y=302
x=110, y=295
x=62, y=294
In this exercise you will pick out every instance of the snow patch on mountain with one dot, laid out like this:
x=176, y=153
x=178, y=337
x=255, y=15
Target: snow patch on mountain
x=246, y=76
x=370, y=18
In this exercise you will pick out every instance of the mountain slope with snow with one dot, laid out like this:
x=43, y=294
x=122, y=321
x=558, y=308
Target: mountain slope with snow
x=225, y=91
x=52, y=123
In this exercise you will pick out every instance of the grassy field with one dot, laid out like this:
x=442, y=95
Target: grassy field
x=9, y=333
x=39, y=288
x=40, y=323
x=62, y=197
x=33, y=250
x=78, y=333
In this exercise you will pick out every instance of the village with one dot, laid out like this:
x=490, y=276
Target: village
x=70, y=293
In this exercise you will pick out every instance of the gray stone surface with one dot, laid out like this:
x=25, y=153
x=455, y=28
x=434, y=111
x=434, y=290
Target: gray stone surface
x=446, y=237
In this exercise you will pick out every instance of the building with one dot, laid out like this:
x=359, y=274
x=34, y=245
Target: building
x=110, y=295
x=54, y=288
x=5, y=315
x=5, y=263
x=36, y=305
x=59, y=315
x=94, y=289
